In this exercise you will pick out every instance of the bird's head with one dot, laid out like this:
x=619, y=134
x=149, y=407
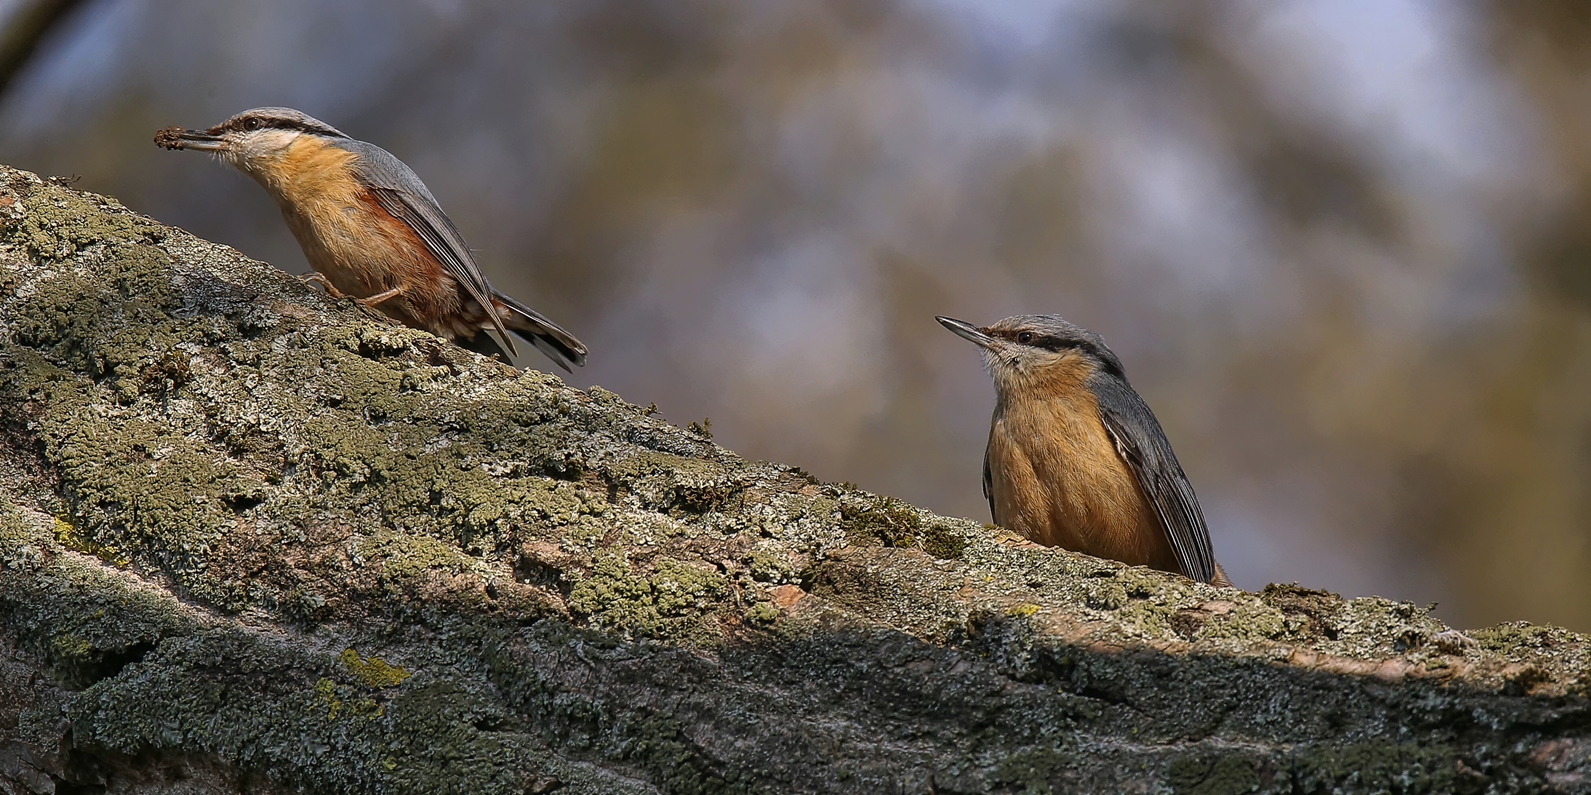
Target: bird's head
x=251, y=139
x=1026, y=350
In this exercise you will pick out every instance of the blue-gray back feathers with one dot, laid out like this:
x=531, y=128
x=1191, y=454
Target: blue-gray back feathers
x=1142, y=444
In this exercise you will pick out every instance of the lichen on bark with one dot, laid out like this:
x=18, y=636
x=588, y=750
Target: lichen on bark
x=252, y=540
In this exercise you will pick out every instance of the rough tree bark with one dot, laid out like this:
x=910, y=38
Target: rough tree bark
x=252, y=540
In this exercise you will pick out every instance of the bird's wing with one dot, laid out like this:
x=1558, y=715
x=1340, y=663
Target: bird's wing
x=988, y=488
x=402, y=194
x=1142, y=445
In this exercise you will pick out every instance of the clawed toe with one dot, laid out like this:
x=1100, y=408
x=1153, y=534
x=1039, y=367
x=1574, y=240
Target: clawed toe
x=314, y=277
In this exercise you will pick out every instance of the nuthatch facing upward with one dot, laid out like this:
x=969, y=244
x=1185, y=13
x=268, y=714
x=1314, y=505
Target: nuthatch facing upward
x=1076, y=459
x=371, y=230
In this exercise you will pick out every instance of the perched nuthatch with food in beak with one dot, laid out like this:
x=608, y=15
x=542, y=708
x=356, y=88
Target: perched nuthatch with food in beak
x=372, y=231
x=1076, y=459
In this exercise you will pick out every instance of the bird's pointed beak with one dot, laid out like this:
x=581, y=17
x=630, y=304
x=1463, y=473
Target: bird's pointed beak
x=967, y=331
x=198, y=140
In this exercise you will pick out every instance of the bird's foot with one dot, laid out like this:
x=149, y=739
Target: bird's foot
x=316, y=278
x=370, y=302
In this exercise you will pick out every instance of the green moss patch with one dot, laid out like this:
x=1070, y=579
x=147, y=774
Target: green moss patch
x=670, y=600
x=373, y=672
x=580, y=593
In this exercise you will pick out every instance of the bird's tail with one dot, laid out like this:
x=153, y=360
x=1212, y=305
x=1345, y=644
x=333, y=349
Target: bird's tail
x=559, y=345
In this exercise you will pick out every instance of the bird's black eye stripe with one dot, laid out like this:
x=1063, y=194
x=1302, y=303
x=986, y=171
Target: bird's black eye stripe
x=1047, y=342
x=255, y=124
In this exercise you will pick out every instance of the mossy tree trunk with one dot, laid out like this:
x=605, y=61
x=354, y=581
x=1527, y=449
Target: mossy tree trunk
x=252, y=540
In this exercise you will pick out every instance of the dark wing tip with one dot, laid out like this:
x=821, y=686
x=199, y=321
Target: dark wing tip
x=508, y=339
x=988, y=489
x=1142, y=445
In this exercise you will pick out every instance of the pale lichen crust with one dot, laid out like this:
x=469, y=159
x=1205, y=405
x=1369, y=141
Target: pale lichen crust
x=253, y=536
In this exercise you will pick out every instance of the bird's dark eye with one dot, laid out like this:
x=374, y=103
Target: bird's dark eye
x=1025, y=337
x=252, y=124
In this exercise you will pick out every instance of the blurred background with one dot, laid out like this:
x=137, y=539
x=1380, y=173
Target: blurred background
x=1343, y=246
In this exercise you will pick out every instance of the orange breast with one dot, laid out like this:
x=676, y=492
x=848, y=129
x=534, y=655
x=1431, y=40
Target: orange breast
x=350, y=239
x=1056, y=478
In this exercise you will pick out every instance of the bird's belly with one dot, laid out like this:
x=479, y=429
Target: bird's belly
x=364, y=251
x=349, y=248
x=1059, y=481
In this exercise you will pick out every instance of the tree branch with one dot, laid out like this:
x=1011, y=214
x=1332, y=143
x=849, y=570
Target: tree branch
x=252, y=540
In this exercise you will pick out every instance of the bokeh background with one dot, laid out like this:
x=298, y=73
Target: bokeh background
x=1343, y=246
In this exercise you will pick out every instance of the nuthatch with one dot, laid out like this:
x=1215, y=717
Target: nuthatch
x=1076, y=459
x=371, y=230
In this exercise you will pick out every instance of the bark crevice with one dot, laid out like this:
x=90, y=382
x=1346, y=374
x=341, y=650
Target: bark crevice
x=252, y=540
